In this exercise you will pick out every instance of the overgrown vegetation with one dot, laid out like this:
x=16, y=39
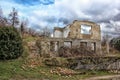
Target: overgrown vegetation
x=10, y=43
x=16, y=70
x=115, y=43
x=75, y=51
x=41, y=68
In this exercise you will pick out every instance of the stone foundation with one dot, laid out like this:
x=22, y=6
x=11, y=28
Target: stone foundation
x=52, y=45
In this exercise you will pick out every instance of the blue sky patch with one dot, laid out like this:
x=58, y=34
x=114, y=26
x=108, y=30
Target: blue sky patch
x=34, y=2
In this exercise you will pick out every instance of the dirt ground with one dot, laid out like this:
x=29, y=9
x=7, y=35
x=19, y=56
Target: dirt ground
x=108, y=77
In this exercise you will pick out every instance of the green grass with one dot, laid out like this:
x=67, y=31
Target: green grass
x=9, y=68
x=12, y=69
x=29, y=39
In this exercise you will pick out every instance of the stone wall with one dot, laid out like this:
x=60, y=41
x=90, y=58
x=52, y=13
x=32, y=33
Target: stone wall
x=98, y=63
x=87, y=63
x=44, y=47
x=52, y=45
x=71, y=35
x=75, y=30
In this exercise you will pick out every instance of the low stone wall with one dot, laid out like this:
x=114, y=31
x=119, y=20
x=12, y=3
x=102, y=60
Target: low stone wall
x=98, y=63
x=86, y=63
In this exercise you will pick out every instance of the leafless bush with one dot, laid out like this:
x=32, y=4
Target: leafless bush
x=75, y=52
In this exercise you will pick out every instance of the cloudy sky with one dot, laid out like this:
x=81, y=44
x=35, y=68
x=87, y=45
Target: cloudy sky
x=41, y=13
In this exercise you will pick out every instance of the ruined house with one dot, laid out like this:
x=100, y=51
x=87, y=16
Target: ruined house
x=78, y=33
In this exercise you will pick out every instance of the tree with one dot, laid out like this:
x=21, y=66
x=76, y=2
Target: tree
x=3, y=20
x=23, y=26
x=106, y=41
x=115, y=43
x=1, y=13
x=1, y=17
x=10, y=43
x=32, y=32
x=13, y=18
x=46, y=32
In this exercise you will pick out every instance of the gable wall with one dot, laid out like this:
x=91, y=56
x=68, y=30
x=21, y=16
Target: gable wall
x=75, y=30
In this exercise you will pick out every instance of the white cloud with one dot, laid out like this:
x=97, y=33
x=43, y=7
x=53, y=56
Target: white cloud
x=116, y=25
x=62, y=12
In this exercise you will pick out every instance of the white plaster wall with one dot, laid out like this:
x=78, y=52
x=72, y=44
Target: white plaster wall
x=56, y=46
x=68, y=44
x=66, y=32
x=58, y=34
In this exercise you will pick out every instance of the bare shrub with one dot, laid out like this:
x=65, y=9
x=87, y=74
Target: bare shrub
x=75, y=52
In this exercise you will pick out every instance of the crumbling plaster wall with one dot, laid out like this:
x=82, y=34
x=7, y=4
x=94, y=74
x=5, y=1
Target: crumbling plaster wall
x=58, y=32
x=66, y=31
x=75, y=30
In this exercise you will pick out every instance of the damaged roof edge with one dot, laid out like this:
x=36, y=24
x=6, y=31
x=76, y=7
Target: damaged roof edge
x=58, y=28
x=83, y=21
